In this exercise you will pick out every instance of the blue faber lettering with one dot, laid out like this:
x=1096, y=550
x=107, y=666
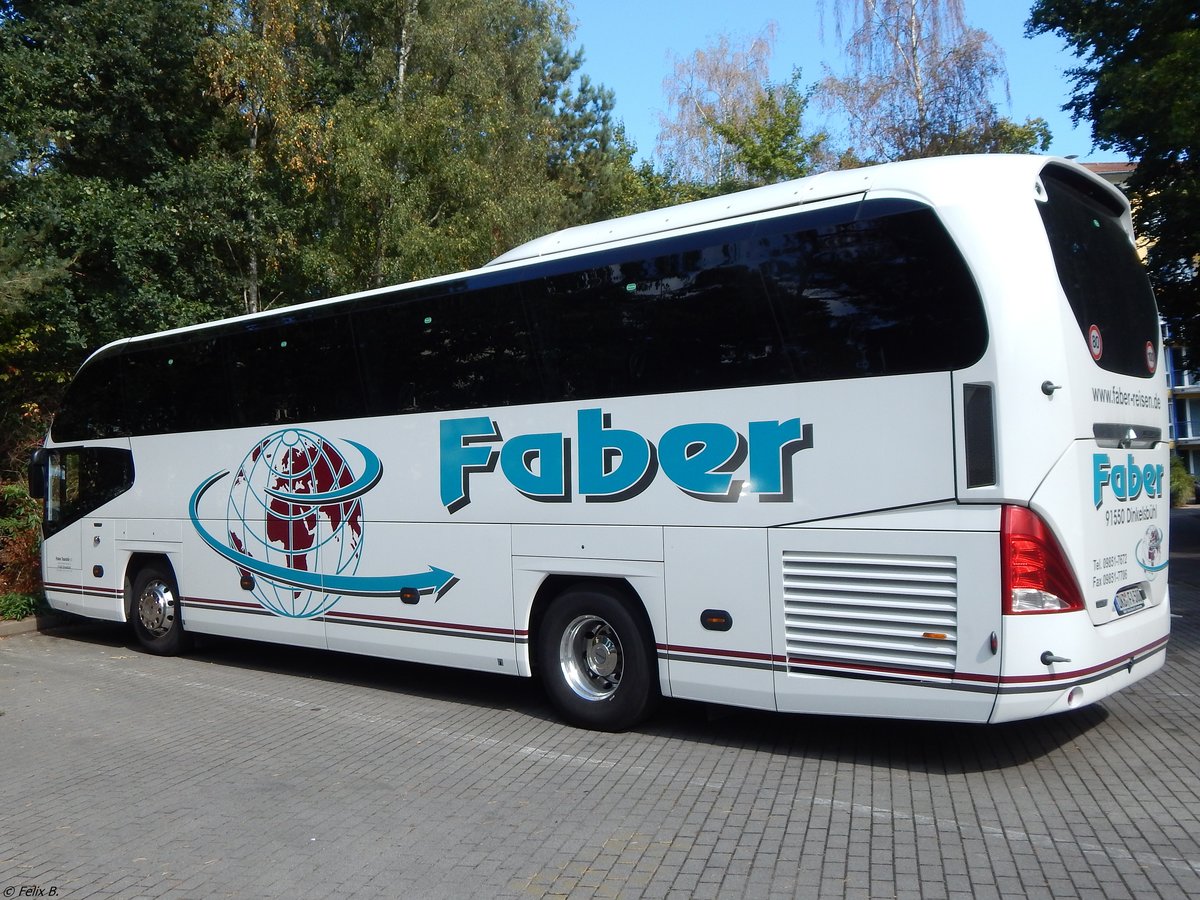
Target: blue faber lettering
x=772, y=446
x=537, y=466
x=460, y=457
x=615, y=464
x=701, y=459
x=1126, y=481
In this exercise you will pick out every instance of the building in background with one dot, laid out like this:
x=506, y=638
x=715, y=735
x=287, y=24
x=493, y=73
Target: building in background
x=1184, y=400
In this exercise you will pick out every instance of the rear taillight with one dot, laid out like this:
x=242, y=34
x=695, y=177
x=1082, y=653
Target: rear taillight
x=1035, y=574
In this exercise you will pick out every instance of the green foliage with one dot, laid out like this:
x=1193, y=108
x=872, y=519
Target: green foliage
x=769, y=144
x=18, y=606
x=20, y=542
x=114, y=214
x=166, y=162
x=1139, y=86
x=1183, y=485
x=714, y=88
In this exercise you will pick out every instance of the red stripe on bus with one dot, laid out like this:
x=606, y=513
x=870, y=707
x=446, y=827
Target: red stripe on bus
x=1116, y=663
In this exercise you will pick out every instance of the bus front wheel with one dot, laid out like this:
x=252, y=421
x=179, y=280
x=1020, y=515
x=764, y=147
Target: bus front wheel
x=597, y=660
x=155, y=613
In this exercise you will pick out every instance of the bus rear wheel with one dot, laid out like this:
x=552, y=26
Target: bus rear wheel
x=597, y=661
x=155, y=614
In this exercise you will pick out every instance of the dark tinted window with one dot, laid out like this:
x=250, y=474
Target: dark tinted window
x=297, y=367
x=1101, y=274
x=680, y=315
x=94, y=405
x=870, y=288
x=177, y=384
x=455, y=349
x=866, y=289
x=884, y=293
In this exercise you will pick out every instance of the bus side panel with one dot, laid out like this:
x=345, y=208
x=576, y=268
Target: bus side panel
x=79, y=565
x=447, y=601
x=886, y=623
x=714, y=571
x=215, y=602
x=215, y=598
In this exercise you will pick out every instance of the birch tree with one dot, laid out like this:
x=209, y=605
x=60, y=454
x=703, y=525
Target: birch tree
x=920, y=82
x=716, y=87
x=728, y=125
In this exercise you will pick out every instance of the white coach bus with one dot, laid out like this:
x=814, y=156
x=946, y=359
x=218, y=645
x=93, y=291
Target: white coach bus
x=882, y=442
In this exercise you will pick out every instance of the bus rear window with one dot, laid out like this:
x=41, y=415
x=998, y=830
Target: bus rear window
x=1101, y=274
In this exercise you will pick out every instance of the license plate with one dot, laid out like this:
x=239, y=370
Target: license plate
x=1129, y=600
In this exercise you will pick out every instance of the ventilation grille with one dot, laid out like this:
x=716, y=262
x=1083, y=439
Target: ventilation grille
x=898, y=614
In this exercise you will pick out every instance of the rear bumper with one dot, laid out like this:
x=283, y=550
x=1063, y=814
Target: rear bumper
x=1102, y=659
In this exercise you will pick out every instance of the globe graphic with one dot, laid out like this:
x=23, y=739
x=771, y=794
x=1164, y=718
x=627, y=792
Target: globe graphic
x=322, y=537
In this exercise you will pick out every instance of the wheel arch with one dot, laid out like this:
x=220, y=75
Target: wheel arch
x=136, y=563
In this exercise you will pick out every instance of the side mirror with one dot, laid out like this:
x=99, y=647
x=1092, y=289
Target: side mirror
x=37, y=473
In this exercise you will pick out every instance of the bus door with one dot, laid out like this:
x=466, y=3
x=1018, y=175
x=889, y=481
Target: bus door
x=61, y=546
x=79, y=551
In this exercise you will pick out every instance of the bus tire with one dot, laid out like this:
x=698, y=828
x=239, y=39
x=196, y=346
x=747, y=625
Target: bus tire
x=597, y=660
x=155, y=612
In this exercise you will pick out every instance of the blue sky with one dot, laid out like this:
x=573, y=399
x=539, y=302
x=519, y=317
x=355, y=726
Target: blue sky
x=629, y=46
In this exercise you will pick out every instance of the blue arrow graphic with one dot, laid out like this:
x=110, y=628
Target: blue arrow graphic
x=434, y=581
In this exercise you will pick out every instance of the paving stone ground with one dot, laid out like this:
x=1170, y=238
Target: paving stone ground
x=245, y=770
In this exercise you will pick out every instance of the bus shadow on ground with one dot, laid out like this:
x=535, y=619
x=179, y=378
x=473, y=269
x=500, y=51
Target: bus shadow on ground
x=948, y=748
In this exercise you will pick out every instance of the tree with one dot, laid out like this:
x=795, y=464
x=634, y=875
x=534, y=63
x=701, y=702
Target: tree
x=769, y=144
x=164, y=162
x=487, y=140
x=728, y=126
x=589, y=157
x=109, y=188
x=1139, y=86
x=26, y=267
x=920, y=83
x=717, y=85
x=262, y=68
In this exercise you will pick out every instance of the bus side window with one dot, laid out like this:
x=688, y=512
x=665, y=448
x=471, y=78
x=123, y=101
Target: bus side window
x=885, y=294
x=62, y=487
x=684, y=314
x=82, y=480
x=295, y=369
x=454, y=350
x=94, y=405
x=181, y=385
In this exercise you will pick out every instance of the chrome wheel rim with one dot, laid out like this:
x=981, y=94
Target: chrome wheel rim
x=591, y=658
x=156, y=608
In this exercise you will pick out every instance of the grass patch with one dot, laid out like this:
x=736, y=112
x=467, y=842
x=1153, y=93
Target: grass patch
x=17, y=606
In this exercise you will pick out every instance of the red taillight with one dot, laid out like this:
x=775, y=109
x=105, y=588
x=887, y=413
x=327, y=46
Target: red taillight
x=1035, y=574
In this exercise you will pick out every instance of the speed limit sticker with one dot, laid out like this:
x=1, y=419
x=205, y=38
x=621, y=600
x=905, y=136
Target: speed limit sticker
x=1095, y=342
